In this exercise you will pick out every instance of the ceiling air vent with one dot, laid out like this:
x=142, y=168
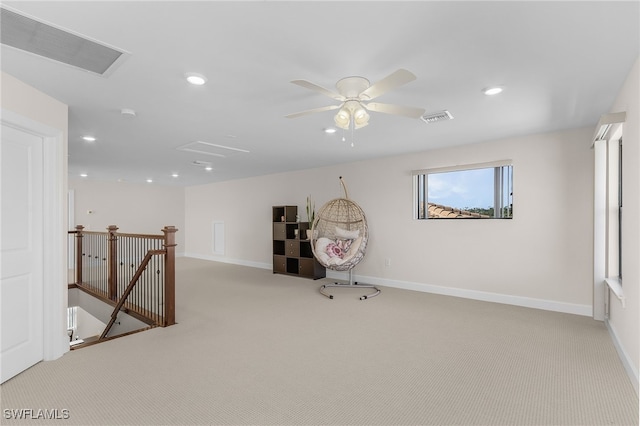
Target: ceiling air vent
x=208, y=148
x=437, y=116
x=29, y=35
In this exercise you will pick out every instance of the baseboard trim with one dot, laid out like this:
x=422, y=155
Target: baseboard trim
x=626, y=361
x=223, y=259
x=527, y=302
x=547, y=305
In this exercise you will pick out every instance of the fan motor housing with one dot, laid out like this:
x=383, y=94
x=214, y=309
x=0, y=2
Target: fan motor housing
x=352, y=87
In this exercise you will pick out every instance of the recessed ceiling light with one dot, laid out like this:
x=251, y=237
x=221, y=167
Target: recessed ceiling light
x=196, y=79
x=149, y=180
x=175, y=175
x=208, y=168
x=89, y=138
x=330, y=130
x=83, y=175
x=490, y=91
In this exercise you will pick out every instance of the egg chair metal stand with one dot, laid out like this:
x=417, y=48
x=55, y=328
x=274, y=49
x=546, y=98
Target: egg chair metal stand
x=339, y=237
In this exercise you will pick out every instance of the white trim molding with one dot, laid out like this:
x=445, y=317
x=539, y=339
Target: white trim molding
x=527, y=302
x=459, y=167
x=624, y=357
x=615, y=285
x=606, y=125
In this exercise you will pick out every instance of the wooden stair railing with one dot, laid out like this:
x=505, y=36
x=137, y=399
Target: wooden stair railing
x=104, y=262
x=127, y=292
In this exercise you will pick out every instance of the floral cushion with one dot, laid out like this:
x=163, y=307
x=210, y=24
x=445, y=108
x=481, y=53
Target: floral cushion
x=338, y=248
x=336, y=252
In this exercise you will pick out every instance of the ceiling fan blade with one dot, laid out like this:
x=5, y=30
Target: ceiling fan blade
x=308, y=85
x=391, y=81
x=411, y=112
x=311, y=111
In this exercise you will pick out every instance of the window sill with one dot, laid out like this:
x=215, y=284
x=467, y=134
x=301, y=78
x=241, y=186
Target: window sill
x=615, y=285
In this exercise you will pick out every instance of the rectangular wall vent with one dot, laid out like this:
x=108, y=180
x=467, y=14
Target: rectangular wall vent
x=437, y=116
x=44, y=40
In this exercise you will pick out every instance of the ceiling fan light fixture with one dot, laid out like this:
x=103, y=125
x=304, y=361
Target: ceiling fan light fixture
x=355, y=93
x=343, y=118
x=360, y=118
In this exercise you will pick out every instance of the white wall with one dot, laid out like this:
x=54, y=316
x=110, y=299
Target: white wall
x=133, y=208
x=88, y=325
x=625, y=321
x=97, y=314
x=541, y=258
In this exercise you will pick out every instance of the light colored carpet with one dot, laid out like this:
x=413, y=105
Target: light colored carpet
x=251, y=347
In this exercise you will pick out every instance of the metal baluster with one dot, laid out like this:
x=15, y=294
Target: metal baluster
x=104, y=254
x=147, y=289
x=158, y=285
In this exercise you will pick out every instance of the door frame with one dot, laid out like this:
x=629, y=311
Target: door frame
x=54, y=268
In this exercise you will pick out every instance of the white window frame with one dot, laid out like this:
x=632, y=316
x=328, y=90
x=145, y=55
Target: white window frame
x=607, y=214
x=420, y=186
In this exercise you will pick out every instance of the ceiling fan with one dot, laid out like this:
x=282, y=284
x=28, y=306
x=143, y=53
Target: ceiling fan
x=354, y=93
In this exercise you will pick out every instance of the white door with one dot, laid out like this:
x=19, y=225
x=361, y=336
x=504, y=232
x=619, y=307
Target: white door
x=21, y=251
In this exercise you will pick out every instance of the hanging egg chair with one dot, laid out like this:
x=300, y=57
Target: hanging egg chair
x=339, y=240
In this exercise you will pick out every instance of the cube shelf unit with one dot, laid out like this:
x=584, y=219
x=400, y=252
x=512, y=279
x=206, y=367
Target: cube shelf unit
x=292, y=254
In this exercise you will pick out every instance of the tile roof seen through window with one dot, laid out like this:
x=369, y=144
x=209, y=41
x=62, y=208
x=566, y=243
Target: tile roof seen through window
x=437, y=211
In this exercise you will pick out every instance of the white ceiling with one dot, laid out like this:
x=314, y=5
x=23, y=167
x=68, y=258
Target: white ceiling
x=561, y=63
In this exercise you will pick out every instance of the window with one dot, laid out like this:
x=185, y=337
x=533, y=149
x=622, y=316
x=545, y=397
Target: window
x=477, y=191
x=614, y=211
x=620, y=210
x=608, y=213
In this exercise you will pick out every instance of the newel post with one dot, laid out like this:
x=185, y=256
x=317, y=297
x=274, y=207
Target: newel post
x=79, y=253
x=170, y=275
x=113, y=262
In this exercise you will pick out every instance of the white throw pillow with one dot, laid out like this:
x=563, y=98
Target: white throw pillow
x=347, y=235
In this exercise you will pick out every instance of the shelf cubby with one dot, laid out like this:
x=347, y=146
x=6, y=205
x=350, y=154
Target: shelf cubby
x=292, y=254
